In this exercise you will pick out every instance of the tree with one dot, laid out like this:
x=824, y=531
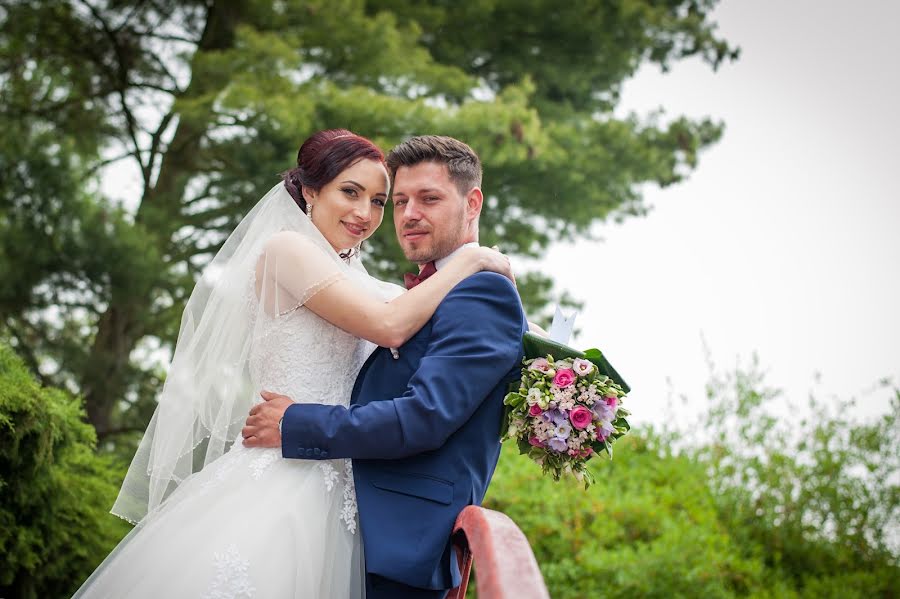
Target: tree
x=54, y=489
x=207, y=100
x=818, y=496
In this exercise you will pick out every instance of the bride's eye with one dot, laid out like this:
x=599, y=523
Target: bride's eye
x=350, y=192
x=380, y=202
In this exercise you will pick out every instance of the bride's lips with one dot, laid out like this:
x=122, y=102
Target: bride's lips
x=355, y=230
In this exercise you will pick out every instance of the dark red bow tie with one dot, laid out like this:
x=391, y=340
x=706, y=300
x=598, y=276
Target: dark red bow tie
x=411, y=280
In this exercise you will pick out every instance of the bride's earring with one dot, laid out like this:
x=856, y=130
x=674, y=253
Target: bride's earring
x=309, y=209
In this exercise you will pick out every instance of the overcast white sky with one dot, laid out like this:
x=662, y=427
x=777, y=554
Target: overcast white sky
x=786, y=240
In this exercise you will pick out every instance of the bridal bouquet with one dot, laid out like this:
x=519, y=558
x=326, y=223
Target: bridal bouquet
x=566, y=408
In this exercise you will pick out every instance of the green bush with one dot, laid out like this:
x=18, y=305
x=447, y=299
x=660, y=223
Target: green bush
x=758, y=504
x=648, y=528
x=55, y=491
x=817, y=497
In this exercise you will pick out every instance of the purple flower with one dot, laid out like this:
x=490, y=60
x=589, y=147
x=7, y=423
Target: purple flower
x=604, y=430
x=557, y=417
x=558, y=445
x=603, y=410
x=563, y=430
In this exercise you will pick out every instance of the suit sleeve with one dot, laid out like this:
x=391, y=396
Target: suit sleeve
x=476, y=339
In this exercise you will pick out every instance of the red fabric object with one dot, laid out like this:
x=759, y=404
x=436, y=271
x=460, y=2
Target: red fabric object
x=411, y=280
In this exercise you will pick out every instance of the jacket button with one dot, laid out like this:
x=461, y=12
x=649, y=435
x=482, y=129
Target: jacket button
x=317, y=451
x=324, y=454
x=309, y=453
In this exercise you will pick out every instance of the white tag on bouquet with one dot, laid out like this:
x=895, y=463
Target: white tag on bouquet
x=561, y=328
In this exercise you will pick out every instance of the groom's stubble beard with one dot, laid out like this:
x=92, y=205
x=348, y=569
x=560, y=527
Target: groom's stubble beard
x=446, y=237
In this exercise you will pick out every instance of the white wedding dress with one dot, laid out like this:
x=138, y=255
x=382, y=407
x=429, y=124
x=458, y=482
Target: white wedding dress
x=251, y=523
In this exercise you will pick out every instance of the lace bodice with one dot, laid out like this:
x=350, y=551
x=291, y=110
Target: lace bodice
x=307, y=358
x=303, y=356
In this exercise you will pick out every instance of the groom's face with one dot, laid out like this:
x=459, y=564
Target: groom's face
x=431, y=216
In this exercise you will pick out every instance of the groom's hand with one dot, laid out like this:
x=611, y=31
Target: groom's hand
x=261, y=428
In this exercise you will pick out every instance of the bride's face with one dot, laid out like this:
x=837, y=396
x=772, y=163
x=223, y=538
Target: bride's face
x=348, y=209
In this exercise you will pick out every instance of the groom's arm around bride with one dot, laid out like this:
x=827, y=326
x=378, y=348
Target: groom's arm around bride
x=473, y=344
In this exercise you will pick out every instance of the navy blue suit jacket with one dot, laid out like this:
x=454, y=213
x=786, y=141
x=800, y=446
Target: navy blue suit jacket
x=423, y=430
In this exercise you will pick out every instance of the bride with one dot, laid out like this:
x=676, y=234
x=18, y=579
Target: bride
x=216, y=519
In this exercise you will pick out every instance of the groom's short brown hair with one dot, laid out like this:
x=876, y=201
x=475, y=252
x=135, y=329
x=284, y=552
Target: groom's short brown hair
x=461, y=161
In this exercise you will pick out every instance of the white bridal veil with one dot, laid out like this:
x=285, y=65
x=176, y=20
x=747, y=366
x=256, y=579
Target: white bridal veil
x=210, y=385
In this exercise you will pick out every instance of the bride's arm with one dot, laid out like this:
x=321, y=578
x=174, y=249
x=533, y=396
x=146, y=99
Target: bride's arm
x=360, y=312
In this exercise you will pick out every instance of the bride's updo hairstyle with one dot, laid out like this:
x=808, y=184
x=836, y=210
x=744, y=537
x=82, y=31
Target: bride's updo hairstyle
x=323, y=157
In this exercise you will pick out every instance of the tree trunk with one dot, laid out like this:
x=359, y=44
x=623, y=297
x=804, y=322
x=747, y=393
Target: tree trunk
x=103, y=380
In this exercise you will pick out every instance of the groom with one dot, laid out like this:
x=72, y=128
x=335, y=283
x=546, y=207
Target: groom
x=422, y=429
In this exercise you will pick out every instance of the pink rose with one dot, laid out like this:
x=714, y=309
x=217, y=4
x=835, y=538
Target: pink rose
x=536, y=442
x=612, y=401
x=586, y=452
x=580, y=417
x=535, y=410
x=564, y=377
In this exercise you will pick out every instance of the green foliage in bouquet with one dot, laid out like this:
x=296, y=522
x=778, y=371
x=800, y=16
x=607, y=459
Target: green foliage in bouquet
x=537, y=346
x=55, y=491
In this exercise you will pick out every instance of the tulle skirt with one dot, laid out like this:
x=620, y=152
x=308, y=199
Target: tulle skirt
x=252, y=524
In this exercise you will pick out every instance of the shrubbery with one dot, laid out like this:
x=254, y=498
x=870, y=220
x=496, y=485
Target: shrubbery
x=759, y=507
x=55, y=491
x=648, y=528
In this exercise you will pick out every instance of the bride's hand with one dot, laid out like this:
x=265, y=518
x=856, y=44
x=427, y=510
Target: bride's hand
x=489, y=259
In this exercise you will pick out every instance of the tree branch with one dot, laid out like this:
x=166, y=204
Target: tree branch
x=123, y=83
x=168, y=38
x=157, y=137
x=137, y=6
x=104, y=163
x=166, y=90
x=162, y=67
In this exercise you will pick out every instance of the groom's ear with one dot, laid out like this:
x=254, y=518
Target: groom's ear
x=474, y=202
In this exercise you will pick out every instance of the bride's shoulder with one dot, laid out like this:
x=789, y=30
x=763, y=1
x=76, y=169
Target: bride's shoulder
x=291, y=243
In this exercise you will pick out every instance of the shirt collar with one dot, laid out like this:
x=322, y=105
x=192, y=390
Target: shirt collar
x=442, y=261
